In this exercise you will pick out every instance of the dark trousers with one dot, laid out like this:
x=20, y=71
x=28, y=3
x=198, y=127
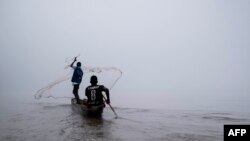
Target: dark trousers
x=75, y=92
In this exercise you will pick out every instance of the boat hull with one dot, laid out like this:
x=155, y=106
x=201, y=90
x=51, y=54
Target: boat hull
x=92, y=111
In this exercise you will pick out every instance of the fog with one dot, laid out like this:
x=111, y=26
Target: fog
x=175, y=54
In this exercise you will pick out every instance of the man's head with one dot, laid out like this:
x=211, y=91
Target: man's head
x=78, y=64
x=93, y=79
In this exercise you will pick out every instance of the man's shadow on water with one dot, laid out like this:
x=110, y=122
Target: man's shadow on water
x=93, y=121
x=89, y=126
x=97, y=128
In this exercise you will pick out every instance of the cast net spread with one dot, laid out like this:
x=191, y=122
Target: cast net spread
x=107, y=76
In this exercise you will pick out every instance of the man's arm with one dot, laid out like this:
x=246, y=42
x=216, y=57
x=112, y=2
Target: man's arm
x=86, y=92
x=71, y=65
x=106, y=90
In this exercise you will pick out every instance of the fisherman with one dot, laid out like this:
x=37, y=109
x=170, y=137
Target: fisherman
x=94, y=93
x=76, y=79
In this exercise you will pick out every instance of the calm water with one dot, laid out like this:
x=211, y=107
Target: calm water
x=63, y=122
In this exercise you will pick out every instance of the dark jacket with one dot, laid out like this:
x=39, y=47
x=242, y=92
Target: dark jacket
x=94, y=94
x=77, y=75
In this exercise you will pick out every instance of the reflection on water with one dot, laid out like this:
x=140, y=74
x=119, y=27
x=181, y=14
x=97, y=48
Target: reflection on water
x=87, y=127
x=39, y=122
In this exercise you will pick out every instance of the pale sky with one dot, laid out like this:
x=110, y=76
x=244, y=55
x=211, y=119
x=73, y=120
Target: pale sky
x=173, y=53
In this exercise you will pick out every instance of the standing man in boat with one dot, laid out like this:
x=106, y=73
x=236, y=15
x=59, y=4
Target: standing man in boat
x=94, y=93
x=76, y=78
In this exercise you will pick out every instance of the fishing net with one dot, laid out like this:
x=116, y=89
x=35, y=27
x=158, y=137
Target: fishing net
x=113, y=74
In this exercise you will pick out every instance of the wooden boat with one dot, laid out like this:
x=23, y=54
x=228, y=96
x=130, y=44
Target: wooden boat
x=85, y=110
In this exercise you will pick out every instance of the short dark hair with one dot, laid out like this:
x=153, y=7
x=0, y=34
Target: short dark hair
x=78, y=64
x=93, y=79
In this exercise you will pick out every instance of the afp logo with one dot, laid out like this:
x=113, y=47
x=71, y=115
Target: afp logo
x=236, y=132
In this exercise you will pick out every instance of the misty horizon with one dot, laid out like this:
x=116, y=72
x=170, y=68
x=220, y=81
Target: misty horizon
x=173, y=54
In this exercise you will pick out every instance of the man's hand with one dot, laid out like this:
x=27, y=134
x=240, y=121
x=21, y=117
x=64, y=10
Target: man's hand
x=108, y=101
x=71, y=65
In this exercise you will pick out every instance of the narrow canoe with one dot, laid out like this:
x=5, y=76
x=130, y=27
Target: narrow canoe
x=92, y=111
